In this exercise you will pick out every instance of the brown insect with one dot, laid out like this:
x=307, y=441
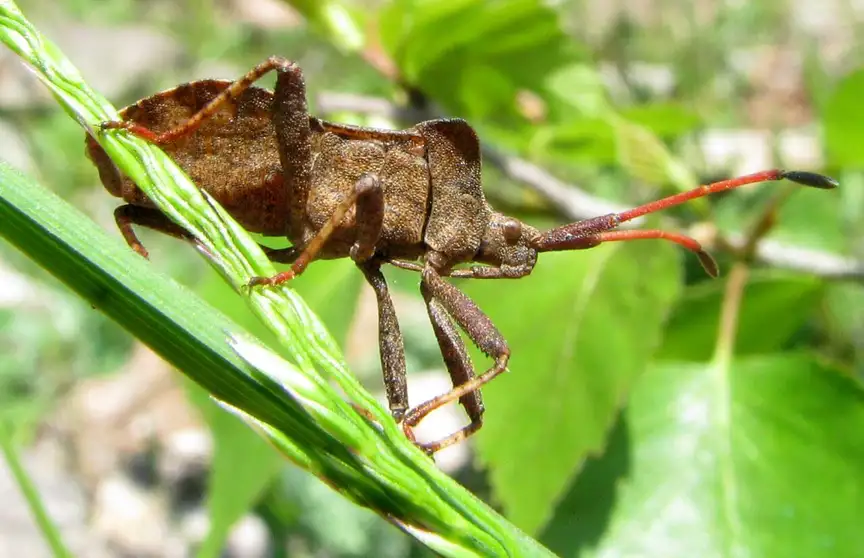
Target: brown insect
x=409, y=198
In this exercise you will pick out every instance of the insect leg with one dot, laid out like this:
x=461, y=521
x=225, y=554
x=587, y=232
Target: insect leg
x=366, y=196
x=390, y=346
x=482, y=333
x=229, y=95
x=459, y=367
x=127, y=215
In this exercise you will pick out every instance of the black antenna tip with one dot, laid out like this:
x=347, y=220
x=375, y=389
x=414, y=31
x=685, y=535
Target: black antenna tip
x=709, y=264
x=812, y=179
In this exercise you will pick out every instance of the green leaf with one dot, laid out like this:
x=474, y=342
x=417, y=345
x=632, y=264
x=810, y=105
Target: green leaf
x=645, y=157
x=439, y=28
x=342, y=26
x=486, y=90
x=393, y=20
x=843, y=120
x=581, y=87
x=809, y=217
x=16, y=469
x=760, y=458
x=440, y=46
x=639, y=151
x=171, y=320
x=581, y=329
x=667, y=120
x=774, y=307
x=842, y=316
x=587, y=140
x=331, y=288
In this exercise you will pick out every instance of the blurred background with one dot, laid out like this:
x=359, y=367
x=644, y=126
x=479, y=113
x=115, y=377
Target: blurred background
x=632, y=423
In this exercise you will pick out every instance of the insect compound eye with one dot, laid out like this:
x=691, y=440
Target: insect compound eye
x=512, y=230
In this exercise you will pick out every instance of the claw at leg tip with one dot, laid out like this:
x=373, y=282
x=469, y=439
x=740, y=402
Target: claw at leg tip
x=257, y=281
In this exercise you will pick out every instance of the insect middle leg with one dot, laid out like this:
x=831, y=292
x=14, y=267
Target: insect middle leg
x=367, y=199
x=391, y=349
x=369, y=218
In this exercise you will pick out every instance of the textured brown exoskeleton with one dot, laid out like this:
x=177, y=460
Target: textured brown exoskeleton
x=410, y=198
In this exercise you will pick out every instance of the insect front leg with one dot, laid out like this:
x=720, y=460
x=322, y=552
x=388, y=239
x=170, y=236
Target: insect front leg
x=128, y=215
x=482, y=333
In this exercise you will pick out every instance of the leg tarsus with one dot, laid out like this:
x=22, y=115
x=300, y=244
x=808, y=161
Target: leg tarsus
x=123, y=216
x=136, y=130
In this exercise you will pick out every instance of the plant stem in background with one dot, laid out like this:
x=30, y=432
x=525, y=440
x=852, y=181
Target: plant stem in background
x=31, y=495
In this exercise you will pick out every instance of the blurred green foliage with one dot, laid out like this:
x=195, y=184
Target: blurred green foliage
x=618, y=430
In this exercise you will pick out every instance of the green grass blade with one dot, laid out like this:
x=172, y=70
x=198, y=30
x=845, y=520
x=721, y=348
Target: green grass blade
x=293, y=404
x=170, y=319
x=31, y=494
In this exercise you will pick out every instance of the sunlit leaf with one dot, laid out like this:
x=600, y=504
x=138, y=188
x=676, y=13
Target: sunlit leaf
x=588, y=140
x=646, y=158
x=518, y=24
x=774, y=307
x=843, y=319
x=243, y=464
x=581, y=86
x=843, y=119
x=487, y=90
x=581, y=329
x=667, y=120
x=440, y=46
x=762, y=457
x=809, y=218
x=639, y=151
x=339, y=24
